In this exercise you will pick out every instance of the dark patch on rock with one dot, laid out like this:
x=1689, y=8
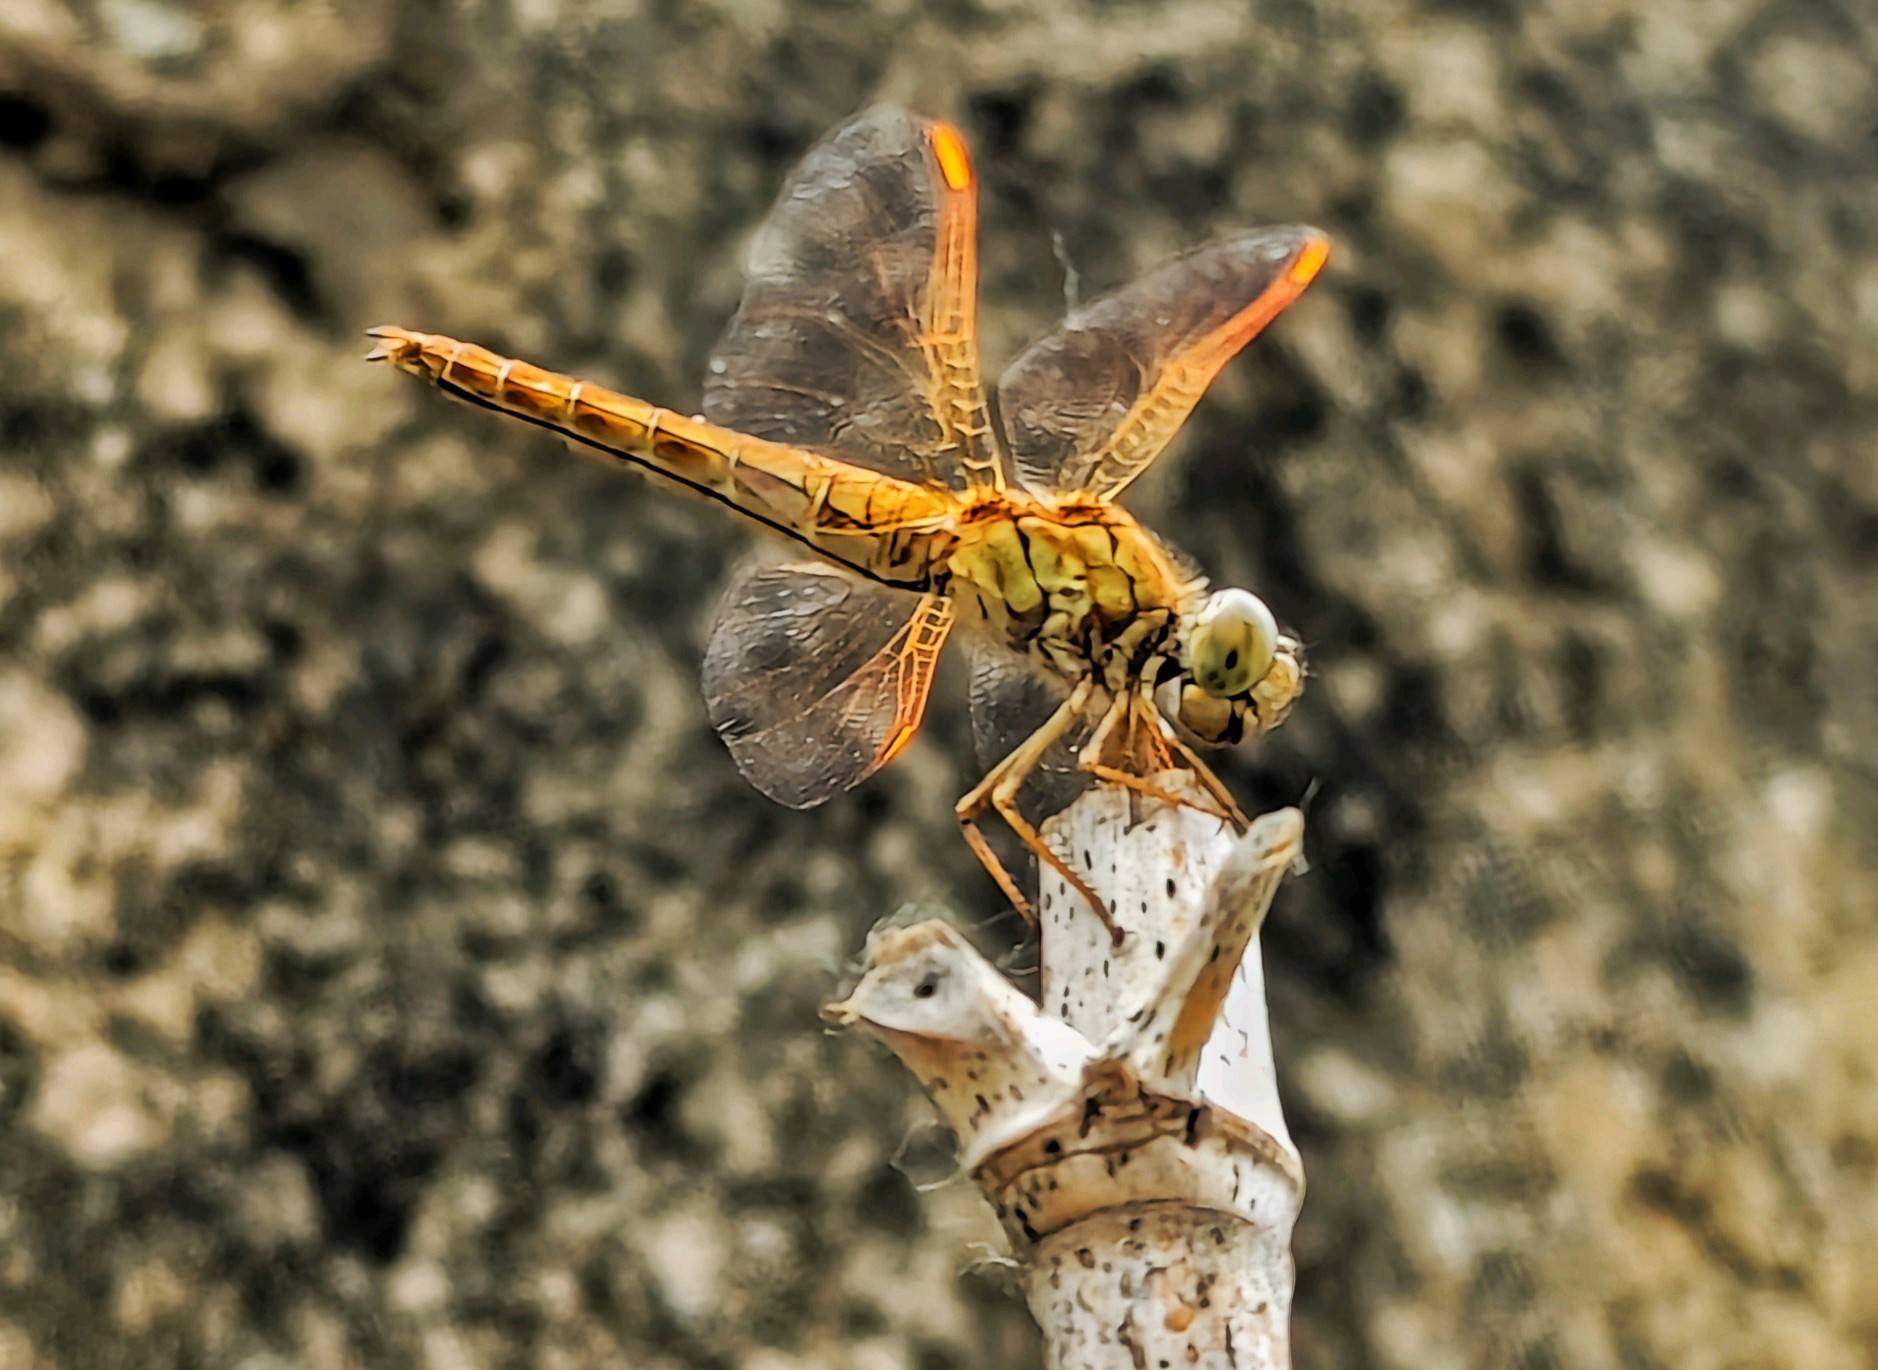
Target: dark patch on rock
x=24, y=123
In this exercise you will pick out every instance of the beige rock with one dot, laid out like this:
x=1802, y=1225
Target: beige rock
x=95, y=1105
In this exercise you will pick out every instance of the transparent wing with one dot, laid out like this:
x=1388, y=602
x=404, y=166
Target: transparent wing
x=858, y=330
x=815, y=678
x=1088, y=407
x=1010, y=699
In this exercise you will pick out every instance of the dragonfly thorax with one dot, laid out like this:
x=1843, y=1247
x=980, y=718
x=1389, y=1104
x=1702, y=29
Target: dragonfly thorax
x=1082, y=591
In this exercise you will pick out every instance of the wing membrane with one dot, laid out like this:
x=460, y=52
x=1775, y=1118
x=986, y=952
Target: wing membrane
x=857, y=332
x=1088, y=407
x=815, y=679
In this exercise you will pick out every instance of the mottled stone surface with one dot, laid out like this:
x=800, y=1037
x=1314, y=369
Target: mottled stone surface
x=393, y=970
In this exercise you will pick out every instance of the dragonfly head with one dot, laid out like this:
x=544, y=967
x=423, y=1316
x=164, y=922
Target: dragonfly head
x=1231, y=643
x=1239, y=673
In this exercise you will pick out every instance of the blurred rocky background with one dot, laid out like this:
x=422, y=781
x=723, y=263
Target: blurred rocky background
x=395, y=972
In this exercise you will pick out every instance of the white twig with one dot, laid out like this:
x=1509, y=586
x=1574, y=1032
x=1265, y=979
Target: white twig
x=1128, y=1133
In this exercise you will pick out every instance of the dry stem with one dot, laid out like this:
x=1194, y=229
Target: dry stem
x=1128, y=1133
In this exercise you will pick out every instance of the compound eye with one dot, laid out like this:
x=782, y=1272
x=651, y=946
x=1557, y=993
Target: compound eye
x=1233, y=644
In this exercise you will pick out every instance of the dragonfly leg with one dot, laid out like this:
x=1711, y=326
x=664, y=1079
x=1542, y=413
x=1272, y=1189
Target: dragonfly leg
x=1099, y=739
x=967, y=810
x=975, y=839
x=1214, y=785
x=999, y=790
x=1090, y=760
x=1128, y=780
x=1004, y=799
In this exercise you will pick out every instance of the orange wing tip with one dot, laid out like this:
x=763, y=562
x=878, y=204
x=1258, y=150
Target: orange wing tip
x=1310, y=261
x=955, y=164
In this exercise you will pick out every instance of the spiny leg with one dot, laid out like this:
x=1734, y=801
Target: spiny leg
x=1099, y=739
x=974, y=801
x=975, y=839
x=1214, y=785
x=1090, y=760
x=1129, y=780
x=1004, y=800
x=999, y=788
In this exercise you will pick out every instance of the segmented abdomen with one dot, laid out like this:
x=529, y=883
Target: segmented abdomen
x=885, y=527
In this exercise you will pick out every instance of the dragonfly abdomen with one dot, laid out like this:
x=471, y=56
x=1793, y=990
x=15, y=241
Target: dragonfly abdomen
x=879, y=525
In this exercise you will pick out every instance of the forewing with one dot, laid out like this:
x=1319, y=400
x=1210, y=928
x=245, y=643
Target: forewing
x=815, y=678
x=1088, y=407
x=857, y=333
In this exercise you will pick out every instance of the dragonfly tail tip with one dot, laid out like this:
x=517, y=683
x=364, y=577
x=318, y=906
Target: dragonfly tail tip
x=391, y=342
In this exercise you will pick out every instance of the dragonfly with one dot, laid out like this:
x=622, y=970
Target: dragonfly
x=843, y=409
